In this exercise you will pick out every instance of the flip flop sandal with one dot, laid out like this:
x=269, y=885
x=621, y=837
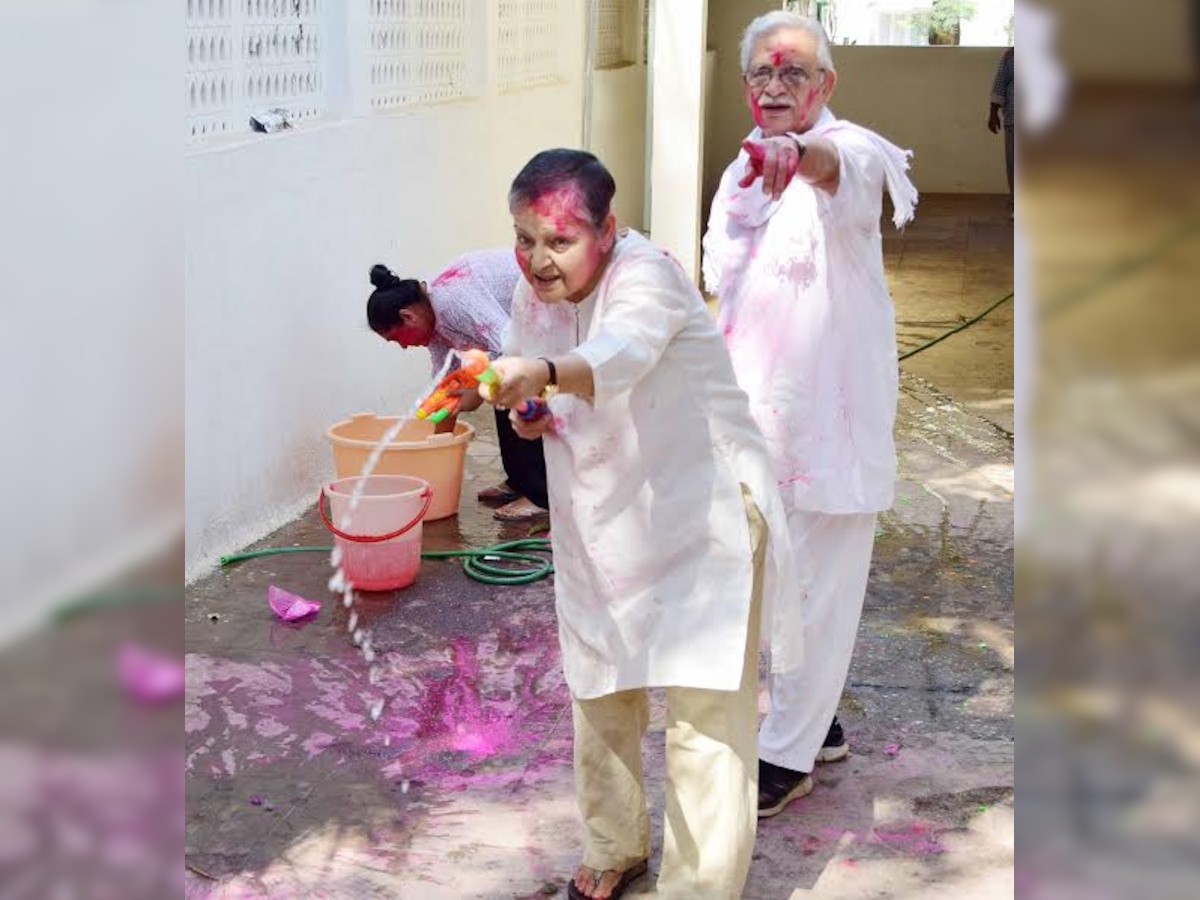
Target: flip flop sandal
x=520, y=510
x=497, y=493
x=628, y=877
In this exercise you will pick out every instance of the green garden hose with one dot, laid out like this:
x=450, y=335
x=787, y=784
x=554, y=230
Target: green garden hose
x=478, y=562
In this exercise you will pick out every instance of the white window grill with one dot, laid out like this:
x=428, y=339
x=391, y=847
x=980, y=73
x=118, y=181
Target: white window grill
x=210, y=86
x=617, y=41
x=248, y=56
x=282, y=57
x=420, y=51
x=530, y=33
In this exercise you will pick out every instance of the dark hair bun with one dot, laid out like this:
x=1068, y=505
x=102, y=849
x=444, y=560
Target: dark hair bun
x=383, y=277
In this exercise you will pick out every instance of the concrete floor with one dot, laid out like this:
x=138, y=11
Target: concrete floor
x=463, y=789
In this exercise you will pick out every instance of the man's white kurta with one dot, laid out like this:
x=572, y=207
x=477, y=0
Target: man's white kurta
x=653, y=570
x=806, y=314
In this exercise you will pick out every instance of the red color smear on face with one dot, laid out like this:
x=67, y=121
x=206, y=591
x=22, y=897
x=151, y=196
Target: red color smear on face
x=808, y=104
x=756, y=111
x=410, y=336
x=777, y=58
x=523, y=263
x=462, y=270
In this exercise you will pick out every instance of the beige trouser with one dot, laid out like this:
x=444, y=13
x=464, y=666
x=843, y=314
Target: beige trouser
x=712, y=773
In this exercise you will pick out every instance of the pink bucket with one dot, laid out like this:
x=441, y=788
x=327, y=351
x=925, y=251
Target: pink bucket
x=380, y=539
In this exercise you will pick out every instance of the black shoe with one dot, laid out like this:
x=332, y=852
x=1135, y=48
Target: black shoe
x=777, y=787
x=835, y=747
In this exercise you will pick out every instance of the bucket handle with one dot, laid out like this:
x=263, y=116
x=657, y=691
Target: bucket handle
x=374, y=538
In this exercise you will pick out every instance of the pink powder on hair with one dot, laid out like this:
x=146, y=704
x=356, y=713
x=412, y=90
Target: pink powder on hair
x=564, y=206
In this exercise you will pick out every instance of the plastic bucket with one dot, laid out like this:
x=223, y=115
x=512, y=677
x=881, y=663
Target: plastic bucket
x=380, y=539
x=437, y=459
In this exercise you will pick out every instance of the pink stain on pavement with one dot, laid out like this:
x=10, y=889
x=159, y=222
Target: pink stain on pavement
x=917, y=839
x=149, y=676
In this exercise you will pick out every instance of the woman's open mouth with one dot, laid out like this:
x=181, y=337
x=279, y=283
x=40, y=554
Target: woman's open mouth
x=546, y=281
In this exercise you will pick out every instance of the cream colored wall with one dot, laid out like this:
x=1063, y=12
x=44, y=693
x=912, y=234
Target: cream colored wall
x=933, y=100
x=619, y=136
x=1117, y=41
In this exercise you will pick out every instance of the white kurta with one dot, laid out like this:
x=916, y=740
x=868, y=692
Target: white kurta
x=808, y=321
x=653, y=569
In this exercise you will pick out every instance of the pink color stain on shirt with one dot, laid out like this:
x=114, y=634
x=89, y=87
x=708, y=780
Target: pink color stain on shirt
x=462, y=270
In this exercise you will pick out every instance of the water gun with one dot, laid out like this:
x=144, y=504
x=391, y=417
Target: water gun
x=533, y=409
x=441, y=404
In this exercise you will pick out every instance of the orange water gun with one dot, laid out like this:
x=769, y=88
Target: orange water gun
x=441, y=403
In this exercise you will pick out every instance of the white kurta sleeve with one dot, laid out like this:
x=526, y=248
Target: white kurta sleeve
x=859, y=197
x=643, y=307
x=712, y=262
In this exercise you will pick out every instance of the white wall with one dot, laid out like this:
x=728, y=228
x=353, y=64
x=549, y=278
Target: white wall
x=90, y=238
x=619, y=136
x=677, y=128
x=282, y=230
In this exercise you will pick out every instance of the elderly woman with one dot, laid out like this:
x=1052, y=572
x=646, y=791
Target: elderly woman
x=466, y=307
x=668, y=530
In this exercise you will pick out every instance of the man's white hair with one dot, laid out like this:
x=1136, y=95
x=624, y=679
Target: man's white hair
x=771, y=22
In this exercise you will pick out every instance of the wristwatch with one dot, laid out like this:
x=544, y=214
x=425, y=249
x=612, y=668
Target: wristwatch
x=552, y=381
x=800, y=145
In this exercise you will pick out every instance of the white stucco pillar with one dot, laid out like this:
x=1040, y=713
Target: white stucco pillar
x=677, y=127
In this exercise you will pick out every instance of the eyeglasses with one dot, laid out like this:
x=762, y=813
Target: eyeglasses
x=791, y=76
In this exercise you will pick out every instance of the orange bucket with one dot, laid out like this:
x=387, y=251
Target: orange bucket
x=438, y=459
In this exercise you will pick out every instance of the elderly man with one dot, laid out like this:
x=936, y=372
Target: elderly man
x=797, y=265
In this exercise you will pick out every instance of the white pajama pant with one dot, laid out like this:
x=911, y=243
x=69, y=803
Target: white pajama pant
x=833, y=555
